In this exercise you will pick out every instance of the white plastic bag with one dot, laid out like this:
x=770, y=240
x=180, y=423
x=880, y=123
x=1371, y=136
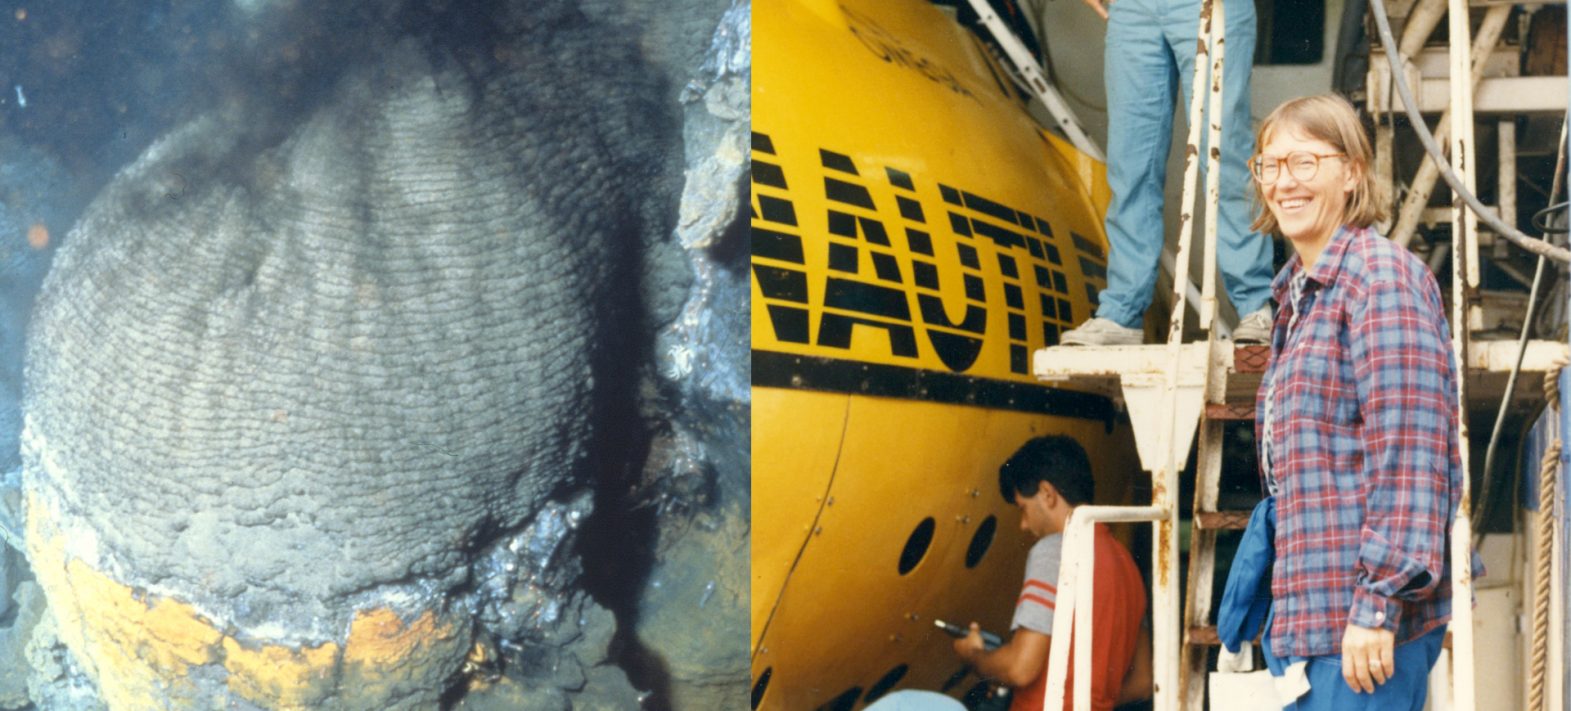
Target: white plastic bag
x=1236, y=688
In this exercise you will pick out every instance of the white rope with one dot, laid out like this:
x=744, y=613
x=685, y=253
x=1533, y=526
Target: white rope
x=1543, y=554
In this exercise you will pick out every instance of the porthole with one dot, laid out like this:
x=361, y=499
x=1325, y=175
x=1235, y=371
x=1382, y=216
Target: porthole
x=845, y=701
x=981, y=541
x=761, y=686
x=955, y=679
x=917, y=545
x=884, y=684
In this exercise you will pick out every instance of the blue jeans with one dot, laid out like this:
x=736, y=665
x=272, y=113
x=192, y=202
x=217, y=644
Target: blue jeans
x=1150, y=48
x=1404, y=691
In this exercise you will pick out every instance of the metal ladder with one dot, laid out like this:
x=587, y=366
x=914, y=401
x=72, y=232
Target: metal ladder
x=1230, y=397
x=1165, y=387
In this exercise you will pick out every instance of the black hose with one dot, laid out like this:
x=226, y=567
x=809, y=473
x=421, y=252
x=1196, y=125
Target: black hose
x=1541, y=218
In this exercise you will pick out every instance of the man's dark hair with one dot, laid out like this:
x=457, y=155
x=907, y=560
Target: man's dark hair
x=1055, y=459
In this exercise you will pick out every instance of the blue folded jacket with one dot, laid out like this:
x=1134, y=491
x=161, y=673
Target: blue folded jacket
x=1246, y=601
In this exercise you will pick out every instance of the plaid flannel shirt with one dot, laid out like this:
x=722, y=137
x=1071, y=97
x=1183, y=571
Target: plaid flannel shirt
x=1363, y=447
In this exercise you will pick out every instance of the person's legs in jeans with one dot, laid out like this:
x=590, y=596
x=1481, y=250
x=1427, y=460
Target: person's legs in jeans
x=1243, y=257
x=1139, y=73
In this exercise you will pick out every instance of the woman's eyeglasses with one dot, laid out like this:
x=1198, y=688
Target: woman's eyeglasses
x=1302, y=165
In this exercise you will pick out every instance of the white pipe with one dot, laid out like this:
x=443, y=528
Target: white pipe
x=1164, y=541
x=1213, y=168
x=1063, y=615
x=1083, y=618
x=1506, y=178
x=1464, y=270
x=1190, y=290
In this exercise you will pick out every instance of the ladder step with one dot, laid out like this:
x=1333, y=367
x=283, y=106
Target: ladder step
x=1203, y=636
x=1222, y=520
x=1251, y=359
x=1231, y=411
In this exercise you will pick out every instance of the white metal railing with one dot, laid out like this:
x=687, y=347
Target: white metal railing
x=1464, y=280
x=1076, y=598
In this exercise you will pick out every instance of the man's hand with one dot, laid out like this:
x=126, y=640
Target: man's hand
x=1099, y=7
x=1019, y=662
x=969, y=646
x=1368, y=656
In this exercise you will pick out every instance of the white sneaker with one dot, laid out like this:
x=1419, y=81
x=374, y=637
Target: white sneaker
x=1102, y=332
x=1254, y=328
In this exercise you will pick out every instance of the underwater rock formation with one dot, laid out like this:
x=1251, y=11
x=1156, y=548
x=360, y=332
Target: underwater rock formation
x=312, y=390
x=701, y=570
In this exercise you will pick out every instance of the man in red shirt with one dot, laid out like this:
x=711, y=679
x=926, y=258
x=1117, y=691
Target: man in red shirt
x=1046, y=479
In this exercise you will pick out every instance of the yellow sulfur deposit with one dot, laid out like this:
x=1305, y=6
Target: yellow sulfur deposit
x=141, y=649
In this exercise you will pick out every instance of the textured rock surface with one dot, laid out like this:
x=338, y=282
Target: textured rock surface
x=280, y=388
x=695, y=606
x=29, y=609
x=55, y=680
x=358, y=348
x=694, y=609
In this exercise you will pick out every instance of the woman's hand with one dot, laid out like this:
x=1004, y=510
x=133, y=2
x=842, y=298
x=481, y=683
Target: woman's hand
x=1368, y=657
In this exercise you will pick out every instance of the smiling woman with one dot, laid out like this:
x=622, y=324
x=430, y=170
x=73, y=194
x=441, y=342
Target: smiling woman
x=1357, y=425
x=1312, y=174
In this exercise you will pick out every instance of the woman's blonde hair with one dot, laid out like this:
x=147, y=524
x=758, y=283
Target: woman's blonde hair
x=1329, y=118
